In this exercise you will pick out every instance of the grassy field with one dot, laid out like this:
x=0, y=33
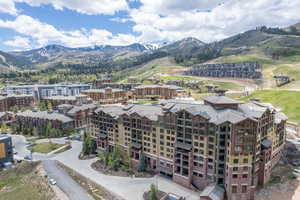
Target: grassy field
x=146, y=101
x=45, y=147
x=288, y=101
x=23, y=183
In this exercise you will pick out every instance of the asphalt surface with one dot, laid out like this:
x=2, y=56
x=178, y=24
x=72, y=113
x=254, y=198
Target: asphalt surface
x=72, y=189
x=19, y=143
x=123, y=187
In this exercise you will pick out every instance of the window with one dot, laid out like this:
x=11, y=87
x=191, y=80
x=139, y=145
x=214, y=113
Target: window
x=235, y=161
x=235, y=169
x=245, y=160
x=234, y=176
x=244, y=188
x=234, y=189
x=245, y=175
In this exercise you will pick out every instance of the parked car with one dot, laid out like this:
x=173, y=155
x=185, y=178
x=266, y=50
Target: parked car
x=27, y=158
x=296, y=163
x=52, y=181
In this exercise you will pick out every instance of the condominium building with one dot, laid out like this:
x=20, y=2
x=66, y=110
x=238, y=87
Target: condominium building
x=72, y=100
x=3, y=104
x=19, y=100
x=31, y=119
x=158, y=92
x=233, y=144
x=107, y=95
x=100, y=81
x=42, y=91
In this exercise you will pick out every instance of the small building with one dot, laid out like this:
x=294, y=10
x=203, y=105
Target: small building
x=177, y=82
x=282, y=80
x=107, y=95
x=212, y=192
x=6, y=150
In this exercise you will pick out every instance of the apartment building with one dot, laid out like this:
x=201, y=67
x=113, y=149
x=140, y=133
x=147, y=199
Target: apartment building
x=72, y=100
x=107, y=95
x=226, y=145
x=42, y=91
x=31, y=119
x=100, y=81
x=6, y=150
x=158, y=92
x=3, y=104
x=19, y=100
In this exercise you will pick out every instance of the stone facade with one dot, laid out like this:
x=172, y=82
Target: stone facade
x=222, y=141
x=246, y=70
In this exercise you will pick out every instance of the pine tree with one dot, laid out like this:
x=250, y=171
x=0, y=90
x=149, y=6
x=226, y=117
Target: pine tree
x=153, y=192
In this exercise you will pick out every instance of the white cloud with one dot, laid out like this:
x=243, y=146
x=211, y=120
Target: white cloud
x=8, y=7
x=18, y=42
x=176, y=19
x=43, y=34
x=89, y=7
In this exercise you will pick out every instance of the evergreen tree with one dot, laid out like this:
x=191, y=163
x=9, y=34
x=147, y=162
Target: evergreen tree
x=153, y=192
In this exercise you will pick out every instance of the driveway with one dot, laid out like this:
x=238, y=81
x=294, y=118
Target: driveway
x=125, y=187
x=64, y=181
x=20, y=146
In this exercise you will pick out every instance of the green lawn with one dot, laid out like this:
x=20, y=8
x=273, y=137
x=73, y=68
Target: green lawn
x=146, y=101
x=288, y=101
x=23, y=183
x=45, y=147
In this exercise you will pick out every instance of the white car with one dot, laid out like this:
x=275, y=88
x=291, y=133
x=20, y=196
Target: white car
x=52, y=181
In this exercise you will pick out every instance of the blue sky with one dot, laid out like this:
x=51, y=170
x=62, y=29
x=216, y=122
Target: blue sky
x=27, y=24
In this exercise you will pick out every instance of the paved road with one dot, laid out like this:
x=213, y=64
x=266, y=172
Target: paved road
x=72, y=189
x=20, y=146
x=125, y=187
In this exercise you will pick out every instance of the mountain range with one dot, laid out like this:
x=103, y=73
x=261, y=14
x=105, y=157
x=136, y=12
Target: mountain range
x=271, y=41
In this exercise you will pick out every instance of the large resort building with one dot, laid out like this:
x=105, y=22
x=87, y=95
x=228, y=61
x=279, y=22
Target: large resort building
x=107, y=95
x=43, y=91
x=223, y=141
x=158, y=92
x=39, y=120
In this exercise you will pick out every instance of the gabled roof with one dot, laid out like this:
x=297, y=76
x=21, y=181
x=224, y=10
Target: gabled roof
x=220, y=100
x=114, y=111
x=45, y=115
x=279, y=117
x=76, y=109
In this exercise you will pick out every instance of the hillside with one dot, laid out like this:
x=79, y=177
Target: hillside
x=278, y=50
